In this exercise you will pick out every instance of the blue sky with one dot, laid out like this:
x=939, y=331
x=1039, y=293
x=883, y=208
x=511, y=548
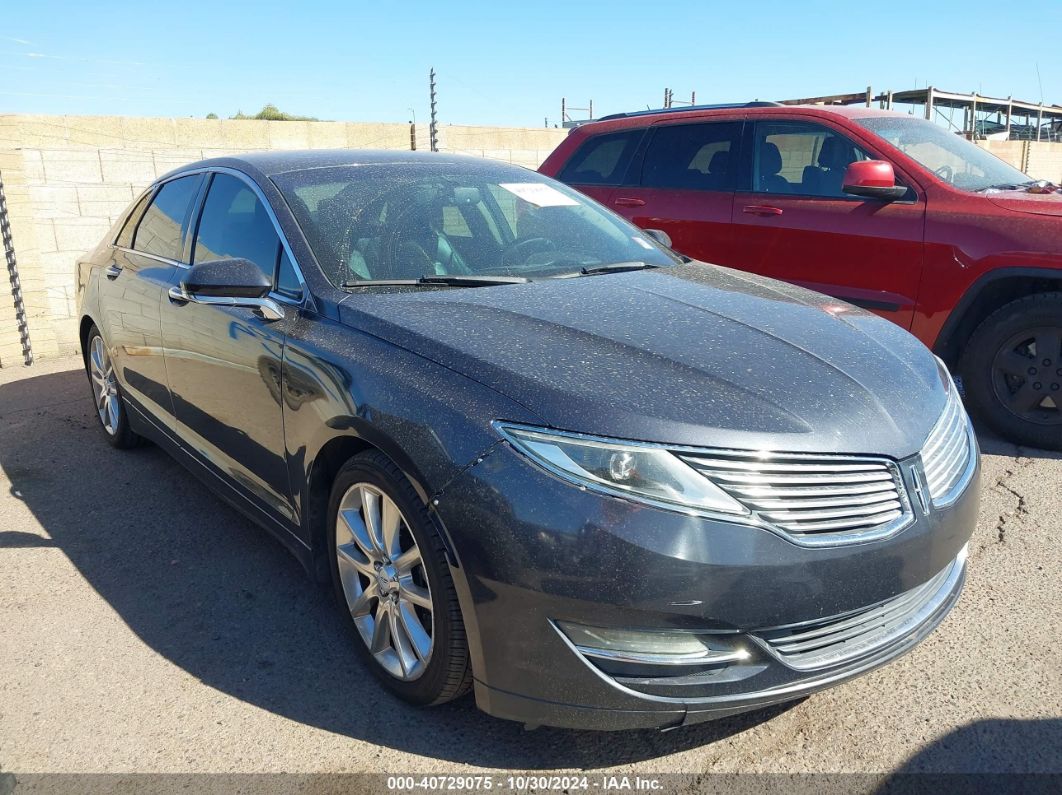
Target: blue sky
x=506, y=63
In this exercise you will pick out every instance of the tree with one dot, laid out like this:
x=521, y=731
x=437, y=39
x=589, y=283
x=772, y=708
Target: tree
x=271, y=112
x=212, y=115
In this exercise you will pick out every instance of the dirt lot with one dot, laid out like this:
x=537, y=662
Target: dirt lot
x=145, y=626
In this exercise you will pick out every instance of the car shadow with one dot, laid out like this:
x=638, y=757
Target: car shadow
x=994, y=445
x=996, y=755
x=214, y=594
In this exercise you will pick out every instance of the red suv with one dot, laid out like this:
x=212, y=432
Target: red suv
x=889, y=212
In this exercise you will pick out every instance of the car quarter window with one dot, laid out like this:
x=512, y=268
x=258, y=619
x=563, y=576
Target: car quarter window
x=236, y=224
x=801, y=158
x=161, y=230
x=286, y=281
x=602, y=159
x=692, y=156
x=125, y=237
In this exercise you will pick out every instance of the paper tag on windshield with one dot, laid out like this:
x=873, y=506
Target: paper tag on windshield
x=539, y=194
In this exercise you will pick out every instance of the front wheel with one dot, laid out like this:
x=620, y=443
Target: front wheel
x=391, y=577
x=1012, y=371
x=107, y=395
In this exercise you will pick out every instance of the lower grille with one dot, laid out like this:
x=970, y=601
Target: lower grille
x=820, y=644
x=808, y=496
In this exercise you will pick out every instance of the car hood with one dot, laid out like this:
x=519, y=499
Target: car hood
x=1025, y=202
x=687, y=355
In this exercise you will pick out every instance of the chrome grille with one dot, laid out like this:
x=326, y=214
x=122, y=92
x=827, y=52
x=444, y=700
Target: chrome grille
x=812, y=496
x=831, y=641
x=948, y=452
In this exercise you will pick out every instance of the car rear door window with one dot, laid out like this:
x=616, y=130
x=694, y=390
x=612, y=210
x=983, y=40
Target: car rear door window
x=803, y=159
x=236, y=224
x=602, y=159
x=692, y=156
x=161, y=231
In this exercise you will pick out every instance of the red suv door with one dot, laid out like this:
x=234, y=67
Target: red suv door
x=683, y=183
x=793, y=222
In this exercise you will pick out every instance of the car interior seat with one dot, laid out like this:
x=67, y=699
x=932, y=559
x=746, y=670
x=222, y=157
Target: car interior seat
x=770, y=164
x=827, y=177
x=717, y=167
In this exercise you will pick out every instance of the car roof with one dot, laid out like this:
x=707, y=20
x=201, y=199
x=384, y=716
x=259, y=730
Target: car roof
x=274, y=162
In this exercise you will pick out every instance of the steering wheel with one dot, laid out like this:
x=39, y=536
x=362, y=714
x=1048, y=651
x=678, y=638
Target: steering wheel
x=520, y=250
x=945, y=172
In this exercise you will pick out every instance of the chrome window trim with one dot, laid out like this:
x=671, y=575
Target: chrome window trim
x=305, y=302
x=752, y=519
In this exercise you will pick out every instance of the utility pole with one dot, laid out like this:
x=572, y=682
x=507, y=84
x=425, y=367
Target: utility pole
x=16, y=284
x=433, y=129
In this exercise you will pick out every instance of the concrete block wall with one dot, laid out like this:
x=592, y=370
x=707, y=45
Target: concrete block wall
x=68, y=178
x=1038, y=159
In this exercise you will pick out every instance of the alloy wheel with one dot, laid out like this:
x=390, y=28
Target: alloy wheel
x=383, y=578
x=1027, y=375
x=104, y=386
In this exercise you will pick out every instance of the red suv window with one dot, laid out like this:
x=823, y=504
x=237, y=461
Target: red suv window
x=692, y=156
x=602, y=160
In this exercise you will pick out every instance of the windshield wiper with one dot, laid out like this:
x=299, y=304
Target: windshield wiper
x=614, y=267
x=1008, y=186
x=470, y=280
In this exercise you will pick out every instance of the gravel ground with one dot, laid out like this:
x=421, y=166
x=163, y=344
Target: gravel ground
x=146, y=626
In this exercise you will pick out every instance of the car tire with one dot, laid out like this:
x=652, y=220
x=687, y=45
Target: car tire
x=377, y=586
x=1012, y=371
x=111, y=411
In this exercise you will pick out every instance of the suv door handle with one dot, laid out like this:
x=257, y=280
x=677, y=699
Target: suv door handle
x=113, y=271
x=762, y=209
x=628, y=201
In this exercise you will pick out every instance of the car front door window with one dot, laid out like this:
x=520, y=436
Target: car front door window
x=801, y=159
x=235, y=224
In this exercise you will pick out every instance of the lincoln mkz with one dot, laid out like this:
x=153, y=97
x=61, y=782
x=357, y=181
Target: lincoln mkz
x=532, y=451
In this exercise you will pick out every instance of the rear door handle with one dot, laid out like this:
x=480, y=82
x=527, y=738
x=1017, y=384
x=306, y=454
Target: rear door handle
x=629, y=201
x=762, y=209
x=113, y=271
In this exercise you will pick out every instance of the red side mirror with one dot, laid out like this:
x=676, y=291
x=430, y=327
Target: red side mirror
x=873, y=179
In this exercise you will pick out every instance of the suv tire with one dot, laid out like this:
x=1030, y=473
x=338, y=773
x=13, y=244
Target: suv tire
x=1012, y=371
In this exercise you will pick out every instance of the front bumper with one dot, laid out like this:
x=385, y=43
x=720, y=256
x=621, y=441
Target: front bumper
x=533, y=554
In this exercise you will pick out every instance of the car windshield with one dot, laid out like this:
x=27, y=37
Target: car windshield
x=951, y=157
x=456, y=223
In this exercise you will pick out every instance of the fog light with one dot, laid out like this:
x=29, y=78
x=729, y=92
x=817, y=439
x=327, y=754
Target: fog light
x=664, y=647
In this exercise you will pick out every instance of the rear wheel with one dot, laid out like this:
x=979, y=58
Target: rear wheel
x=390, y=575
x=1012, y=371
x=107, y=395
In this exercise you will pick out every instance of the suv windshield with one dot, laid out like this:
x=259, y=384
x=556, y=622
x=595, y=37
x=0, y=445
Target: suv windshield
x=408, y=221
x=951, y=157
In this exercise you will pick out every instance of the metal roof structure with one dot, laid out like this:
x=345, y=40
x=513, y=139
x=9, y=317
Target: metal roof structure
x=1042, y=121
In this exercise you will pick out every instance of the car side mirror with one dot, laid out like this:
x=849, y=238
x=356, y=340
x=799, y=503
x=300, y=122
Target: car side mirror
x=228, y=282
x=231, y=278
x=660, y=236
x=872, y=179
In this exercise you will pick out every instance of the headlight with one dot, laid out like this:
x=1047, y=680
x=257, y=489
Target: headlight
x=643, y=472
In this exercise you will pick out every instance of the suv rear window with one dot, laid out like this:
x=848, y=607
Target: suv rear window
x=602, y=160
x=692, y=156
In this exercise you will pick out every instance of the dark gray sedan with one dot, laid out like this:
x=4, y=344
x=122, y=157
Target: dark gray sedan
x=533, y=451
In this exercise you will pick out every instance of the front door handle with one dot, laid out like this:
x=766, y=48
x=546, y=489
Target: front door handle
x=629, y=201
x=762, y=209
x=113, y=271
